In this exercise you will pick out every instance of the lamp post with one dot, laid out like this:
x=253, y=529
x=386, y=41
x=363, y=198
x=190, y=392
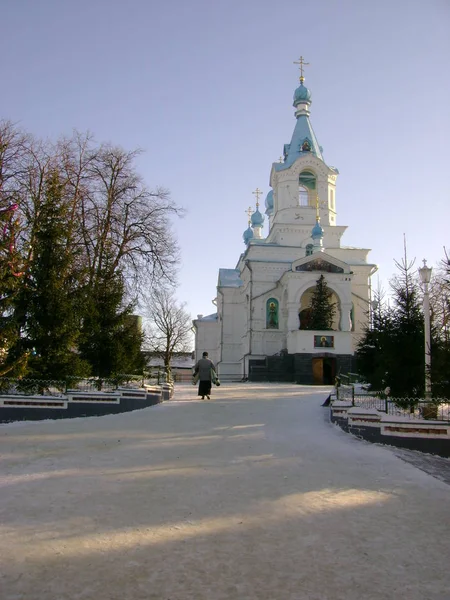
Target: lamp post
x=425, y=276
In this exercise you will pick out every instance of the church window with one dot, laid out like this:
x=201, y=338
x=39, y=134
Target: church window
x=303, y=196
x=309, y=249
x=307, y=185
x=308, y=180
x=272, y=313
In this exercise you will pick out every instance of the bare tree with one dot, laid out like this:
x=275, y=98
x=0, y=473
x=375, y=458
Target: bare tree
x=117, y=228
x=170, y=325
x=125, y=224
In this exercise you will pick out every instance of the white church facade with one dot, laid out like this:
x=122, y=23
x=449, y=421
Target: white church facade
x=259, y=330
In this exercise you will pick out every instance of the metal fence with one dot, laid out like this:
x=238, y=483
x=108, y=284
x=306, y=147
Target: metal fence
x=50, y=387
x=411, y=408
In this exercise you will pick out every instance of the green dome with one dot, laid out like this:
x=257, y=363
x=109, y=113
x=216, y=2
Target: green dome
x=257, y=219
x=301, y=94
x=248, y=235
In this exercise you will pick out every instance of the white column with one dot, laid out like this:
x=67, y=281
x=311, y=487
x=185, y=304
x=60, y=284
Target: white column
x=293, y=320
x=346, y=323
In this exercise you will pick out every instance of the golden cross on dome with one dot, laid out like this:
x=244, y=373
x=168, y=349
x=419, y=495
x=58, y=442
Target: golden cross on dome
x=317, y=208
x=249, y=212
x=257, y=193
x=302, y=63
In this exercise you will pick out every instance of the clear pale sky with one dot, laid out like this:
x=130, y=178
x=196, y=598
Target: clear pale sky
x=205, y=88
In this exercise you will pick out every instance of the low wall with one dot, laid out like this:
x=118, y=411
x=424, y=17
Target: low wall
x=428, y=436
x=81, y=404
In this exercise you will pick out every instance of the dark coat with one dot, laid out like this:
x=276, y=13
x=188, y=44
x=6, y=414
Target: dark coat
x=203, y=368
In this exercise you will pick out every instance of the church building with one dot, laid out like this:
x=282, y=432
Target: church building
x=261, y=329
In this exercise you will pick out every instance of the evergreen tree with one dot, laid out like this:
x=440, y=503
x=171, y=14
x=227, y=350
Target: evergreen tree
x=405, y=347
x=372, y=359
x=50, y=299
x=322, y=309
x=111, y=339
x=11, y=275
x=391, y=352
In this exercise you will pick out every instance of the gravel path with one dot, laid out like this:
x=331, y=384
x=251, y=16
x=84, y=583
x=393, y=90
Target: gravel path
x=249, y=496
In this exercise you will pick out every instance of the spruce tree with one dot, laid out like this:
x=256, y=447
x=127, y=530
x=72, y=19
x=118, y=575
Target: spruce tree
x=111, y=340
x=322, y=309
x=373, y=362
x=11, y=276
x=391, y=352
x=50, y=298
x=405, y=347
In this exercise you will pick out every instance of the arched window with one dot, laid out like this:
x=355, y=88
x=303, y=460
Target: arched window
x=307, y=184
x=272, y=320
x=308, y=179
x=309, y=249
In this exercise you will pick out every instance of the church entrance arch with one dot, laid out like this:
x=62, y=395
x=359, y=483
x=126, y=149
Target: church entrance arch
x=304, y=311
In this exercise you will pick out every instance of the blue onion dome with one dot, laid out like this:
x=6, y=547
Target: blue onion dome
x=269, y=200
x=257, y=219
x=248, y=235
x=317, y=231
x=301, y=94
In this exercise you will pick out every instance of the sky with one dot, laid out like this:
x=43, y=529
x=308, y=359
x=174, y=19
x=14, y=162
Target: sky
x=205, y=89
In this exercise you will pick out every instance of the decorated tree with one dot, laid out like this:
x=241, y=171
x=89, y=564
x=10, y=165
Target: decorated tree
x=321, y=309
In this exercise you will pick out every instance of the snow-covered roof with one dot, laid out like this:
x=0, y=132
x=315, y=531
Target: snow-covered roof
x=212, y=317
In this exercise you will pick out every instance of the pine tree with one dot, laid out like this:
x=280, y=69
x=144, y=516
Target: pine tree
x=322, y=309
x=391, y=353
x=405, y=346
x=372, y=359
x=111, y=341
x=50, y=298
x=11, y=275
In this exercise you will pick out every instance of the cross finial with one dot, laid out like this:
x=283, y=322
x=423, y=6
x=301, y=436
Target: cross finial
x=257, y=193
x=317, y=208
x=249, y=212
x=302, y=63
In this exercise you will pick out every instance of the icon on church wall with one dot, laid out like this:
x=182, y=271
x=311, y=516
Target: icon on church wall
x=272, y=313
x=324, y=341
x=306, y=146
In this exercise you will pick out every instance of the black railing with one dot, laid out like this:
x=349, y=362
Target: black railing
x=411, y=408
x=50, y=387
x=31, y=387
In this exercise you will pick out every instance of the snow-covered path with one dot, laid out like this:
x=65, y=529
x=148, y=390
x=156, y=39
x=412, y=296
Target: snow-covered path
x=251, y=496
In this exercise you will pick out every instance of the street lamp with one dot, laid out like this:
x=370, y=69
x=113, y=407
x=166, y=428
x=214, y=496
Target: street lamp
x=425, y=276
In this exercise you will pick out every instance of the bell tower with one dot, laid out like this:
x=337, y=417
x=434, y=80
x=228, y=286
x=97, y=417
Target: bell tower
x=301, y=180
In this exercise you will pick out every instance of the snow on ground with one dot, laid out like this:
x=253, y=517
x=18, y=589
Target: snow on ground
x=250, y=496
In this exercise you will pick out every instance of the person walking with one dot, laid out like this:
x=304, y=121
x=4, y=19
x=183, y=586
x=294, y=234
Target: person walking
x=203, y=368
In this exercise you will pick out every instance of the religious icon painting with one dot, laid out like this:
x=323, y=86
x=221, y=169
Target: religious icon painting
x=324, y=341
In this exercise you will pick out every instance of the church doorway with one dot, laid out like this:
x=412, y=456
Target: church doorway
x=324, y=370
